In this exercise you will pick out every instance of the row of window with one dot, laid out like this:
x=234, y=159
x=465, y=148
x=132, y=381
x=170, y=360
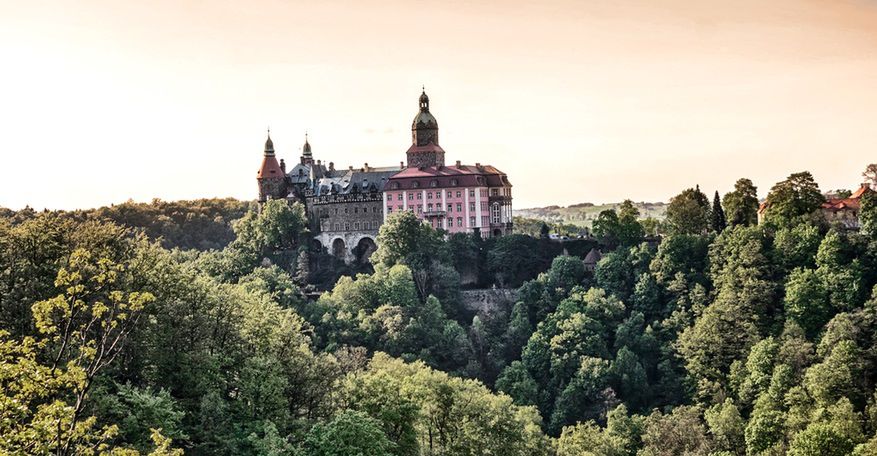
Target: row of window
x=438, y=207
x=356, y=210
x=429, y=195
x=432, y=183
x=356, y=226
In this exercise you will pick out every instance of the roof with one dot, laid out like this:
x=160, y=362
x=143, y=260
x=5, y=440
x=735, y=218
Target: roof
x=853, y=202
x=270, y=168
x=450, y=176
x=593, y=257
x=354, y=181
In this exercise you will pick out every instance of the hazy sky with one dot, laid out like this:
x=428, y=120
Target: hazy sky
x=102, y=101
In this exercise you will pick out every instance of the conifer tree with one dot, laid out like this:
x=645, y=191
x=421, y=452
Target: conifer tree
x=718, y=214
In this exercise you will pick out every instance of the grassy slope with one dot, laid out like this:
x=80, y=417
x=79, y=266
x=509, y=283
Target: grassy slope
x=584, y=214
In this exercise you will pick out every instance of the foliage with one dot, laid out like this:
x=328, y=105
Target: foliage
x=689, y=212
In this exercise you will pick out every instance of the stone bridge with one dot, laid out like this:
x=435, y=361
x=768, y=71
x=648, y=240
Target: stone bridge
x=487, y=300
x=350, y=246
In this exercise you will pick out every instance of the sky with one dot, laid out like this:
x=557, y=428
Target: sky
x=577, y=101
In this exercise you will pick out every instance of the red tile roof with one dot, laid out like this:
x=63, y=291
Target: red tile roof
x=270, y=168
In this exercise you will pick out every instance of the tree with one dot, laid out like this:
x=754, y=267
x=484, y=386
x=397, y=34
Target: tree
x=544, y=231
x=820, y=439
x=689, y=212
x=717, y=214
x=741, y=205
x=727, y=427
x=870, y=174
x=349, y=433
x=404, y=238
x=868, y=214
x=678, y=433
x=806, y=300
x=793, y=200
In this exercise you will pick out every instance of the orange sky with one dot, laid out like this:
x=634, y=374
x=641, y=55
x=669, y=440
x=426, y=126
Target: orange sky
x=576, y=100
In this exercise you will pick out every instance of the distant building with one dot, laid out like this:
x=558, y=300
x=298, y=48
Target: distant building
x=841, y=212
x=346, y=207
x=844, y=212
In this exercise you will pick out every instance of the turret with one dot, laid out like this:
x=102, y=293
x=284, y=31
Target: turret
x=271, y=178
x=425, y=150
x=307, y=158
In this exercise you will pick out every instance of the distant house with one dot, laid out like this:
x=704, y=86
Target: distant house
x=842, y=212
x=591, y=259
x=845, y=211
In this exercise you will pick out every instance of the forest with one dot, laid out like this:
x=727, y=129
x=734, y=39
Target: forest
x=214, y=327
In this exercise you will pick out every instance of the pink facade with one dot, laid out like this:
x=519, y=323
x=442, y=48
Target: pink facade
x=457, y=199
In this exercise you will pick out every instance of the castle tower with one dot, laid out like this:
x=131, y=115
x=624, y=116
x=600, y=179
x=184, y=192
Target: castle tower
x=425, y=150
x=306, y=157
x=271, y=179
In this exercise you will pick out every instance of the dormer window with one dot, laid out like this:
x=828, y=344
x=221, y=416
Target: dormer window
x=433, y=183
x=415, y=184
x=453, y=182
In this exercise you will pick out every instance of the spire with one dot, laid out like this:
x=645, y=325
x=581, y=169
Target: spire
x=307, y=158
x=424, y=101
x=269, y=145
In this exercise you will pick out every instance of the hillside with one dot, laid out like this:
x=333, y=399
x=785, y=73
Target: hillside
x=583, y=214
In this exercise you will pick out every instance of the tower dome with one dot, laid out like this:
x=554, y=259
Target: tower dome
x=425, y=150
x=424, y=128
x=269, y=145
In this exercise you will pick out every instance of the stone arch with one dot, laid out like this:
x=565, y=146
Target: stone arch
x=364, y=249
x=316, y=245
x=497, y=232
x=339, y=249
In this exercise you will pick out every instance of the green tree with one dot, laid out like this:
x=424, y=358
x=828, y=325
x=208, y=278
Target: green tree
x=349, y=433
x=717, y=215
x=820, y=440
x=689, y=212
x=793, y=200
x=741, y=205
x=806, y=301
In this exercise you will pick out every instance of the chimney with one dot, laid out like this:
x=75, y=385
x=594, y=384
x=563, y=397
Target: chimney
x=350, y=168
x=366, y=167
x=401, y=165
x=478, y=165
x=459, y=164
x=282, y=166
x=331, y=166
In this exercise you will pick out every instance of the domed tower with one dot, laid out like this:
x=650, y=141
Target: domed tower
x=425, y=150
x=271, y=179
x=306, y=157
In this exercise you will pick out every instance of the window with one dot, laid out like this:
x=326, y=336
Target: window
x=429, y=195
x=420, y=196
x=419, y=209
x=395, y=185
x=356, y=226
x=459, y=194
x=415, y=184
x=389, y=209
x=410, y=196
x=471, y=193
x=494, y=191
x=450, y=222
x=336, y=211
x=429, y=207
x=347, y=226
x=356, y=210
x=337, y=227
x=453, y=182
x=399, y=197
x=472, y=221
x=459, y=207
x=471, y=207
x=494, y=213
x=459, y=221
x=433, y=183
x=346, y=210
x=450, y=207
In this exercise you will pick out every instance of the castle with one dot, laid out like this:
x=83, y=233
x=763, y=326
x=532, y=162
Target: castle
x=346, y=207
